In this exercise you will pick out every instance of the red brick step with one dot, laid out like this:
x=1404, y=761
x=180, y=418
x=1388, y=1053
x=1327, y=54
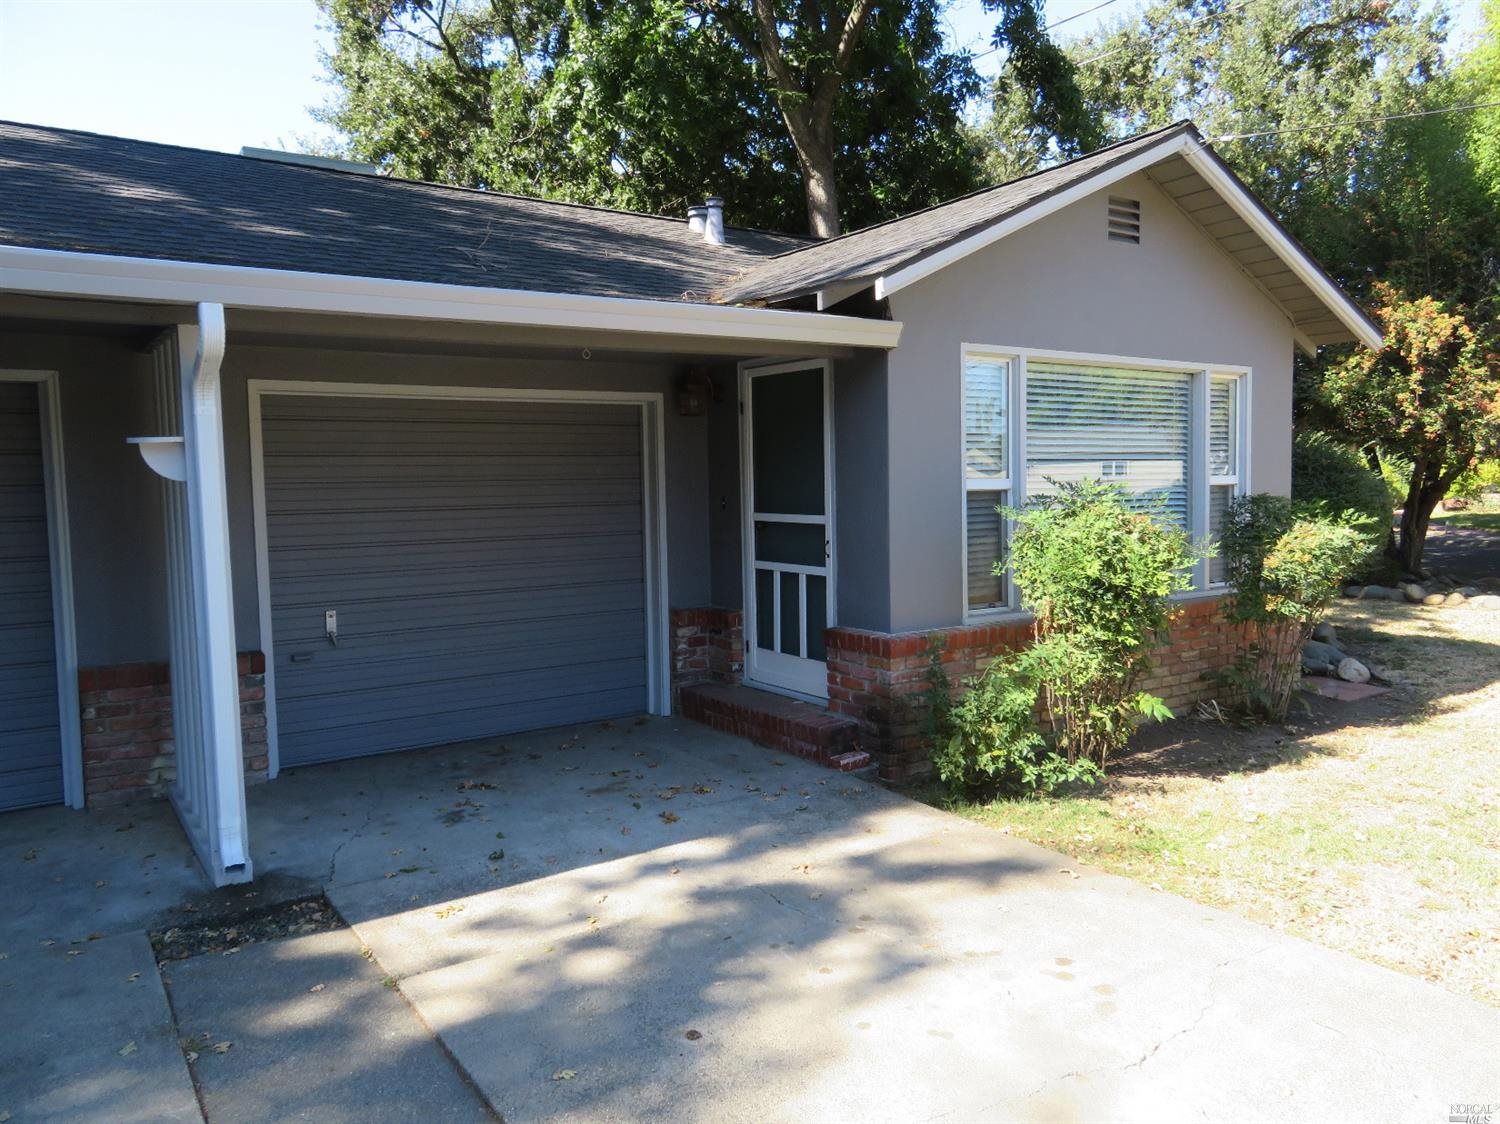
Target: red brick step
x=779, y=722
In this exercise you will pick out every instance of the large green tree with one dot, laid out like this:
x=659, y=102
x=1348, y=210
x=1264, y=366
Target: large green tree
x=820, y=113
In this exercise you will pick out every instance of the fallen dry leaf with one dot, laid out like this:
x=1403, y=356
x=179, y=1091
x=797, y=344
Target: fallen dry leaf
x=126, y=1050
x=448, y=911
x=317, y=987
x=132, y=977
x=565, y=1075
x=669, y=817
x=222, y=1047
x=693, y=1035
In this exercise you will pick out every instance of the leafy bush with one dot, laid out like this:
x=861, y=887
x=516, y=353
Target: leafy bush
x=1284, y=571
x=1096, y=574
x=1329, y=479
x=1396, y=472
x=1477, y=481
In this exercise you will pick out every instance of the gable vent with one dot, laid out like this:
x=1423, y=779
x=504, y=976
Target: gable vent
x=1124, y=219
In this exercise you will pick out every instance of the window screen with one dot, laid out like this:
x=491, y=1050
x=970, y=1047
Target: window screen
x=1223, y=458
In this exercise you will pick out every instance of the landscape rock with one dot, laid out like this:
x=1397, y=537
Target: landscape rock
x=1382, y=593
x=1469, y=590
x=1489, y=601
x=1350, y=670
x=1324, y=633
x=1414, y=593
x=1355, y=591
x=1454, y=598
x=1317, y=653
x=1434, y=599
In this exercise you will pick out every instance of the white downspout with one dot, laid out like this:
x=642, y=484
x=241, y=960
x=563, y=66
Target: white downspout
x=208, y=512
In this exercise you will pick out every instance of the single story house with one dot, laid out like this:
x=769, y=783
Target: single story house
x=303, y=463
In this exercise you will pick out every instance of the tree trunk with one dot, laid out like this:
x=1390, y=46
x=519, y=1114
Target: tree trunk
x=1429, y=484
x=821, y=186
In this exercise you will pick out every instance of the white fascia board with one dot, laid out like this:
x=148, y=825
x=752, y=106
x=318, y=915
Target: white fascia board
x=1296, y=259
x=64, y=273
x=909, y=275
x=1229, y=189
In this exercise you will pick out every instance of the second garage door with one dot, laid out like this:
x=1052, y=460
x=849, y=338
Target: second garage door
x=443, y=570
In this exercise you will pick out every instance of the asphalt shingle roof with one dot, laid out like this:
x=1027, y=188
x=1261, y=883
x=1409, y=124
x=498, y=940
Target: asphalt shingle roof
x=66, y=190
x=864, y=255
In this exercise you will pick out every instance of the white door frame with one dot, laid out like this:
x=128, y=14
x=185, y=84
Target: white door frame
x=758, y=676
x=60, y=550
x=653, y=499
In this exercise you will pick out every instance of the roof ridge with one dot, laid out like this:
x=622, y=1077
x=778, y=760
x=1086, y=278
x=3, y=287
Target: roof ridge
x=405, y=181
x=1178, y=124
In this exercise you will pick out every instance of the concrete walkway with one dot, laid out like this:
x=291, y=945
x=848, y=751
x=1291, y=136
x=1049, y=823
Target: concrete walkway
x=655, y=921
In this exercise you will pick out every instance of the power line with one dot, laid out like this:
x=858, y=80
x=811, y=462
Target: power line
x=1359, y=121
x=1058, y=23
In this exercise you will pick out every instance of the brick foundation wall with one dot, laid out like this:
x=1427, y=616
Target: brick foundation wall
x=708, y=646
x=126, y=713
x=876, y=677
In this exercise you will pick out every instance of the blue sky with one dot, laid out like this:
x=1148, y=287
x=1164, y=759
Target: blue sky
x=226, y=73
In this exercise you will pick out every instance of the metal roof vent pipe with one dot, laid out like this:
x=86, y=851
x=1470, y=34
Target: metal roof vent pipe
x=697, y=219
x=713, y=221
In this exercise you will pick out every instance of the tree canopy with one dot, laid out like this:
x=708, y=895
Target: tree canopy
x=654, y=104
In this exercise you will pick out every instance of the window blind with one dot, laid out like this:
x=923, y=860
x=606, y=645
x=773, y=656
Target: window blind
x=1222, y=428
x=986, y=478
x=1129, y=427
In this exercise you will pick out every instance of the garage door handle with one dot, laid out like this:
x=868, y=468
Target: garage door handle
x=302, y=657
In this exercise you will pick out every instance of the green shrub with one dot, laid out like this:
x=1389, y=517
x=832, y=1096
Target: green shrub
x=1096, y=574
x=1329, y=479
x=1283, y=571
x=1396, y=472
x=1477, y=481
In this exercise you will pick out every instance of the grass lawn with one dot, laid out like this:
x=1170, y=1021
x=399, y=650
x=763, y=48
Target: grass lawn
x=1371, y=827
x=1480, y=517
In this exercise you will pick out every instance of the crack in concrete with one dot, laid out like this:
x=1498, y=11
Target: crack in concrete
x=333, y=859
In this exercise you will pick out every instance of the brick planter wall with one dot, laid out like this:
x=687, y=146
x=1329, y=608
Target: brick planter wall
x=127, y=728
x=708, y=646
x=875, y=677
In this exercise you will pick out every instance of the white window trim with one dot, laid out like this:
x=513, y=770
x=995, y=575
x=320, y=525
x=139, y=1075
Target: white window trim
x=654, y=500
x=1199, y=481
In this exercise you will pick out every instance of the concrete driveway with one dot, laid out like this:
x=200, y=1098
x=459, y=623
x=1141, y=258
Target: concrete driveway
x=656, y=921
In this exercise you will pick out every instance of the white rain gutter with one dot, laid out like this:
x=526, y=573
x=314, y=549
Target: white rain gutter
x=65, y=273
x=208, y=513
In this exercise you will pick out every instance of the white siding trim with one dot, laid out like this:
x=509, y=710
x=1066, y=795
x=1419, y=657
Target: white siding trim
x=62, y=273
x=653, y=474
x=60, y=549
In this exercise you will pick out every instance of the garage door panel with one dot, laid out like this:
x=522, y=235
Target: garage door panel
x=506, y=567
x=434, y=530
x=486, y=561
x=30, y=731
x=370, y=626
x=435, y=657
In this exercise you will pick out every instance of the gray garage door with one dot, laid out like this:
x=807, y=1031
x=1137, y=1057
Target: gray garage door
x=30, y=741
x=484, y=561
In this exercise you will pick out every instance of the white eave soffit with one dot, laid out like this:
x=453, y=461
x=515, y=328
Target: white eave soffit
x=1229, y=189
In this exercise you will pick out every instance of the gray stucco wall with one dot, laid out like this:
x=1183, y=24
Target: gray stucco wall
x=1061, y=284
x=686, y=440
x=114, y=511
x=861, y=429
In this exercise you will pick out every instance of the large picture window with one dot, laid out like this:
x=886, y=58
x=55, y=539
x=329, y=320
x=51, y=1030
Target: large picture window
x=1171, y=437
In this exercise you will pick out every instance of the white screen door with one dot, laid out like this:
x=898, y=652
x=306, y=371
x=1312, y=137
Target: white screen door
x=788, y=526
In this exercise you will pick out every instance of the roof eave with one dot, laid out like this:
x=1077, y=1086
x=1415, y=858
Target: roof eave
x=27, y=269
x=1187, y=143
